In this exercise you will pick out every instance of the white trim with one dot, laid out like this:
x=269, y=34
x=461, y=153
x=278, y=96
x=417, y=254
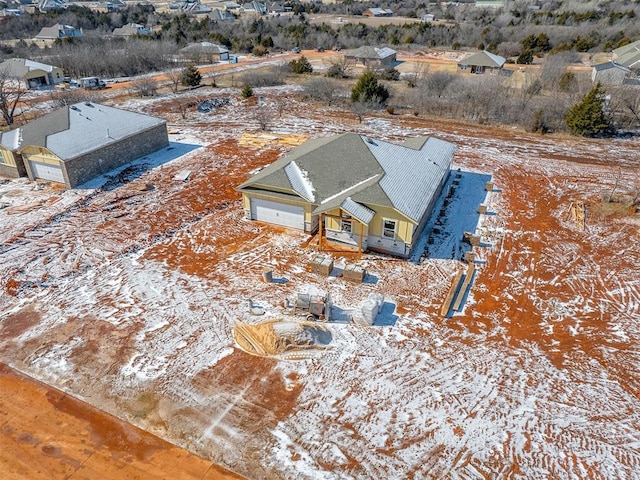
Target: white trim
x=385, y=229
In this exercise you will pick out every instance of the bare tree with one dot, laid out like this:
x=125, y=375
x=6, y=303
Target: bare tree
x=145, y=86
x=338, y=67
x=174, y=76
x=62, y=98
x=320, y=89
x=264, y=116
x=11, y=94
x=626, y=102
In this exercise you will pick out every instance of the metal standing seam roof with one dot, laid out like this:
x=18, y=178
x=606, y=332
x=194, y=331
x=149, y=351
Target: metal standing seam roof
x=483, y=59
x=633, y=46
x=82, y=128
x=630, y=59
x=300, y=181
x=607, y=65
x=412, y=177
x=357, y=210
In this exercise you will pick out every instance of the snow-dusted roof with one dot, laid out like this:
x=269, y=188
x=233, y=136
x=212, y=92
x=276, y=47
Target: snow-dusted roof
x=300, y=181
x=365, y=171
x=18, y=67
x=357, y=210
x=83, y=127
x=412, y=176
x=10, y=139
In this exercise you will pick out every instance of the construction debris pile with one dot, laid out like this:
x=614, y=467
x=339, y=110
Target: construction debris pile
x=276, y=337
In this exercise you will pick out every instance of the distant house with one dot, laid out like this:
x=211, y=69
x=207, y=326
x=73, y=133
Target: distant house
x=361, y=192
x=34, y=74
x=131, y=29
x=372, y=57
x=482, y=62
x=428, y=17
x=204, y=52
x=253, y=8
x=378, y=12
x=76, y=143
x=610, y=73
x=58, y=32
x=48, y=5
x=221, y=15
x=629, y=56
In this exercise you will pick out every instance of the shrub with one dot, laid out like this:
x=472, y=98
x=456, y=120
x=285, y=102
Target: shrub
x=369, y=90
x=247, y=91
x=587, y=117
x=191, y=76
x=300, y=65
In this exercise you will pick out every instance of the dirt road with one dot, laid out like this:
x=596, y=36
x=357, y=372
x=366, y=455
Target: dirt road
x=72, y=439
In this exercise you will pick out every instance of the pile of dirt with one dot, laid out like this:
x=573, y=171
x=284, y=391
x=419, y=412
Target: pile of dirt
x=275, y=337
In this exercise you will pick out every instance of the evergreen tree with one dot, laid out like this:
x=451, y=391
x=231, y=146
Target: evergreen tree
x=587, y=117
x=369, y=90
x=247, y=91
x=191, y=76
x=300, y=65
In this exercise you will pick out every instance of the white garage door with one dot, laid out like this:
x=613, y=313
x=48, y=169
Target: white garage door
x=47, y=171
x=278, y=213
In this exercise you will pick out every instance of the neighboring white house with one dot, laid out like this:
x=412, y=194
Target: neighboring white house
x=34, y=74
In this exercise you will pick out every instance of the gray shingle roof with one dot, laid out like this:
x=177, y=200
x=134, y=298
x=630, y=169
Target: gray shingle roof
x=483, y=59
x=363, y=170
x=83, y=127
x=357, y=210
x=372, y=53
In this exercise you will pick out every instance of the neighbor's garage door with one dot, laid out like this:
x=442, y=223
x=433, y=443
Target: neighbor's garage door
x=278, y=213
x=46, y=171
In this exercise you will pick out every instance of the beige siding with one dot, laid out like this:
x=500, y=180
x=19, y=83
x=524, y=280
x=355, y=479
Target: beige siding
x=40, y=154
x=6, y=157
x=404, y=227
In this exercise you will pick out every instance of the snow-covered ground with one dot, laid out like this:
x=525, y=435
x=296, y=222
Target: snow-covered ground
x=116, y=294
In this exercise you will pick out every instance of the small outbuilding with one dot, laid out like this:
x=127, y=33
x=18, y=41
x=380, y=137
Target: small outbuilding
x=34, y=74
x=76, y=143
x=372, y=57
x=482, y=62
x=364, y=193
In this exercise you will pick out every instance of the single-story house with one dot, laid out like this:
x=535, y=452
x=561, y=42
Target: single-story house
x=221, y=15
x=204, y=52
x=78, y=142
x=610, y=73
x=48, y=5
x=34, y=74
x=253, y=8
x=372, y=57
x=629, y=56
x=481, y=62
x=131, y=29
x=428, y=18
x=378, y=12
x=366, y=193
x=58, y=32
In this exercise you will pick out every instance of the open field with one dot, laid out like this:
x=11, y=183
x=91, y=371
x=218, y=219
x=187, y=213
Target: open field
x=127, y=299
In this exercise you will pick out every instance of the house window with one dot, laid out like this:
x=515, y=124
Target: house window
x=389, y=228
x=346, y=225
